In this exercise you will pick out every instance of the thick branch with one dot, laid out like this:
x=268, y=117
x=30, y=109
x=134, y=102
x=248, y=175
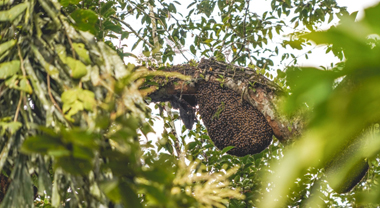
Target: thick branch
x=254, y=88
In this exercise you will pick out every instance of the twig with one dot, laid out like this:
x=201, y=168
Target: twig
x=51, y=96
x=100, y=20
x=154, y=34
x=300, y=56
x=174, y=131
x=18, y=107
x=21, y=61
x=130, y=27
x=166, y=30
x=244, y=31
x=24, y=75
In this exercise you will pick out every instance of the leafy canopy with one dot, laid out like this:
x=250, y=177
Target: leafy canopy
x=73, y=117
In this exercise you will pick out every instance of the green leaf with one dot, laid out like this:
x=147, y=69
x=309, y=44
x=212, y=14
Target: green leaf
x=192, y=49
x=105, y=7
x=226, y=149
x=108, y=25
x=190, y=5
x=75, y=166
x=72, y=109
x=372, y=17
x=10, y=15
x=111, y=190
x=83, y=152
x=82, y=53
x=59, y=151
x=25, y=86
x=8, y=69
x=154, y=194
x=129, y=196
x=12, y=127
x=192, y=145
x=69, y=96
x=306, y=88
x=78, y=69
x=81, y=137
x=66, y=3
x=61, y=51
x=85, y=20
x=88, y=99
x=7, y=45
x=41, y=144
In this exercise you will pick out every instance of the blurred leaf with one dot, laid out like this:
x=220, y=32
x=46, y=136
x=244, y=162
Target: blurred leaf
x=306, y=89
x=69, y=96
x=372, y=17
x=111, y=190
x=82, y=52
x=8, y=69
x=12, y=127
x=7, y=45
x=66, y=3
x=88, y=99
x=106, y=6
x=75, y=166
x=41, y=144
x=78, y=69
x=15, y=11
x=121, y=192
x=25, y=86
x=85, y=20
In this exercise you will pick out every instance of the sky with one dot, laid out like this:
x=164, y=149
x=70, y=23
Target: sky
x=318, y=57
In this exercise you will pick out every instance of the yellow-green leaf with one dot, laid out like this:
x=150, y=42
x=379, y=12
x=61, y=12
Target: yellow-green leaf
x=69, y=96
x=72, y=109
x=8, y=69
x=25, y=86
x=82, y=53
x=61, y=51
x=66, y=3
x=88, y=99
x=7, y=45
x=12, y=127
x=10, y=15
x=78, y=69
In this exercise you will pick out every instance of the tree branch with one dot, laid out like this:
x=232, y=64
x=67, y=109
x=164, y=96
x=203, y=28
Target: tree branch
x=134, y=32
x=244, y=31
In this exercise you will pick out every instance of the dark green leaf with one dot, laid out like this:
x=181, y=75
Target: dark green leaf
x=85, y=20
x=226, y=149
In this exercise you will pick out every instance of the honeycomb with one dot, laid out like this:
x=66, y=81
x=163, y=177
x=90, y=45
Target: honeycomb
x=231, y=121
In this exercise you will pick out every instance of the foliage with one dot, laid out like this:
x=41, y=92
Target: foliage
x=344, y=112
x=73, y=118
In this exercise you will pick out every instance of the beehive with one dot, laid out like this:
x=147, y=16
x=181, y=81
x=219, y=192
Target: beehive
x=231, y=121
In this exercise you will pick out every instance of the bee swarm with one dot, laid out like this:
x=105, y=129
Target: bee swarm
x=231, y=121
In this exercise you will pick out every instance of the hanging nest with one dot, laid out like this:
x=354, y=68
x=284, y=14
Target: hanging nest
x=231, y=121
